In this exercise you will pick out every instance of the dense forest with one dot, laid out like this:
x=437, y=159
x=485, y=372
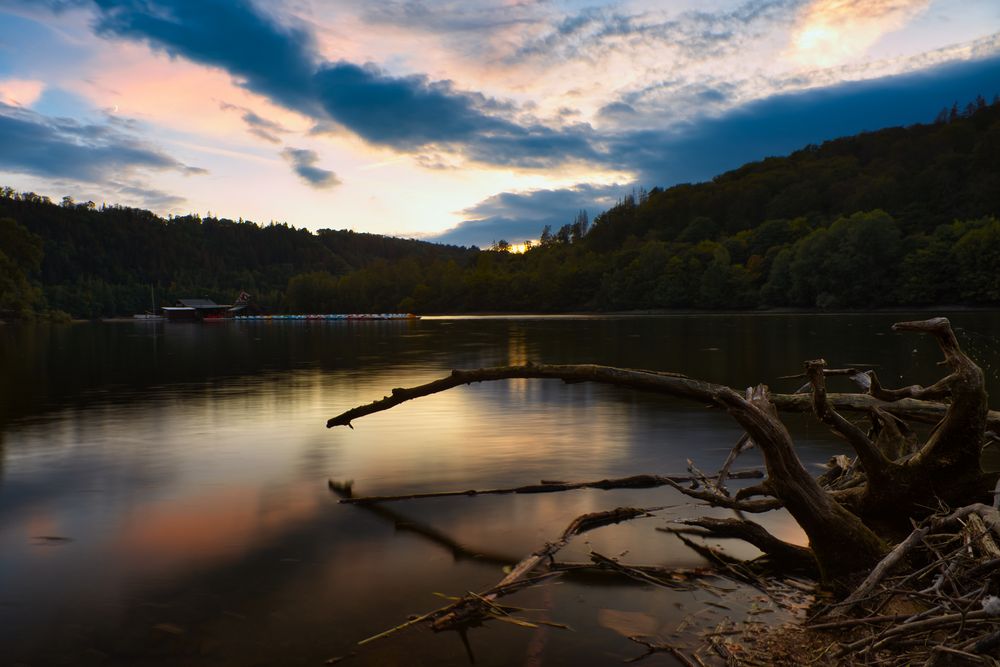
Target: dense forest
x=896, y=217
x=94, y=261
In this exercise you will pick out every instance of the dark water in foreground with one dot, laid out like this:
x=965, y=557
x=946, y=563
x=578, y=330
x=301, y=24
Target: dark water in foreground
x=163, y=493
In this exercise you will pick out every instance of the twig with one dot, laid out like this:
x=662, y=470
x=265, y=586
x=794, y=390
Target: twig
x=647, y=574
x=658, y=647
x=897, y=554
x=742, y=445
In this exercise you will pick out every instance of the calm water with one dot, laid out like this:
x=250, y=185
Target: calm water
x=163, y=488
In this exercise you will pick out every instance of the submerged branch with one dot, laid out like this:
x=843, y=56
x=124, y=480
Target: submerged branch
x=472, y=611
x=633, y=482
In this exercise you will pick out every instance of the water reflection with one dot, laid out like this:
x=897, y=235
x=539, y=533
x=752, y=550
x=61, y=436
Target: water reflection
x=163, y=488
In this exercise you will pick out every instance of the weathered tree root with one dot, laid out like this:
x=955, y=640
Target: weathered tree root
x=783, y=554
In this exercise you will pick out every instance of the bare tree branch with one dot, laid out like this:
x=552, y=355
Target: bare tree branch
x=655, y=382
x=872, y=460
x=957, y=443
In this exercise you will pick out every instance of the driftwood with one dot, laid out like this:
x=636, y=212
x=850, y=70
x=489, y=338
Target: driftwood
x=956, y=615
x=911, y=409
x=859, y=516
x=905, y=547
x=788, y=555
x=474, y=608
x=546, y=486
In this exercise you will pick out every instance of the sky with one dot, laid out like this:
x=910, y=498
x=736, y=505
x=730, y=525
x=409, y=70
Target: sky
x=458, y=121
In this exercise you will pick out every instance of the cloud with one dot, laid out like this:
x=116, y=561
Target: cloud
x=152, y=198
x=780, y=124
x=20, y=92
x=517, y=216
x=595, y=32
x=303, y=163
x=281, y=61
x=616, y=111
x=455, y=16
x=263, y=55
x=257, y=125
x=829, y=32
x=65, y=148
x=404, y=112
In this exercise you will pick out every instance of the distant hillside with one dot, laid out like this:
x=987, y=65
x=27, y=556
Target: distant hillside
x=898, y=217
x=923, y=176
x=103, y=261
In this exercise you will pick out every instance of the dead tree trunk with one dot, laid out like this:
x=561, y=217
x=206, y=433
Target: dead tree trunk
x=840, y=541
x=846, y=528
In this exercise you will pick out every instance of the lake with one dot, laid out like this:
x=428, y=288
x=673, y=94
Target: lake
x=164, y=500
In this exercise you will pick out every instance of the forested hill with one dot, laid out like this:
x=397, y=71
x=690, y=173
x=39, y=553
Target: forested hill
x=923, y=175
x=103, y=261
x=897, y=217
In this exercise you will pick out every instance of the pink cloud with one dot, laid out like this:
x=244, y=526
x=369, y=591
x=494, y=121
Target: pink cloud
x=20, y=92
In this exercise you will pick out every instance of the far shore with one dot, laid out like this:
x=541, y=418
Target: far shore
x=658, y=312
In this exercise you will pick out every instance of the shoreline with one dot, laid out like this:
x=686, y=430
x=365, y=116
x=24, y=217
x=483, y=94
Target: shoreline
x=652, y=312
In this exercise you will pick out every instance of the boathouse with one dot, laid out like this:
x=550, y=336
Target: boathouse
x=200, y=309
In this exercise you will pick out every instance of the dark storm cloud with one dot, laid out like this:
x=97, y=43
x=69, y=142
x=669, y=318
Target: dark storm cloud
x=783, y=123
x=404, y=112
x=303, y=163
x=65, y=148
x=264, y=55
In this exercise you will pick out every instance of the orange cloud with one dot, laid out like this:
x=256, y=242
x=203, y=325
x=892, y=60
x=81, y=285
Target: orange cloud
x=832, y=32
x=175, y=93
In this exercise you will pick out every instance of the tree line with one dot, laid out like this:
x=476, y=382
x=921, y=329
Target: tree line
x=101, y=261
x=897, y=217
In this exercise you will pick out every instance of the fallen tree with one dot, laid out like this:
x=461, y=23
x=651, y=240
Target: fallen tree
x=857, y=511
